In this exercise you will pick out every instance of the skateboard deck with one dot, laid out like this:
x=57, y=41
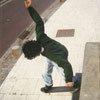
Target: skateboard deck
x=62, y=89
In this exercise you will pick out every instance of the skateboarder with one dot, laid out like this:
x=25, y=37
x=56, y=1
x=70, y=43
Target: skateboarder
x=55, y=52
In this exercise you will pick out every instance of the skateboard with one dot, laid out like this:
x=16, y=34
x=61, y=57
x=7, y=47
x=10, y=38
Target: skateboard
x=60, y=89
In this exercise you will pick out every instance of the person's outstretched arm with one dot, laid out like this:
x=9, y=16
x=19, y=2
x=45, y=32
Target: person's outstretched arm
x=36, y=17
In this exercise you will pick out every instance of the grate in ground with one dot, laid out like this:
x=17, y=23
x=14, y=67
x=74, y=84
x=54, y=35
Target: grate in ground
x=24, y=35
x=65, y=33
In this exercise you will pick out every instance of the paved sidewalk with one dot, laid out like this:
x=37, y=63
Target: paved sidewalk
x=24, y=81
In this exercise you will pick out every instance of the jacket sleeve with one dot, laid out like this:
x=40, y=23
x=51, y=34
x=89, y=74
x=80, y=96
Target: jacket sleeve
x=38, y=20
x=68, y=72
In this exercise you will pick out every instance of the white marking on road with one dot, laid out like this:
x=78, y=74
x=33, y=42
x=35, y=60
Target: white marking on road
x=4, y=2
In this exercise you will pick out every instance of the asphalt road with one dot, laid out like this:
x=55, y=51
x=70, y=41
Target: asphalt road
x=14, y=19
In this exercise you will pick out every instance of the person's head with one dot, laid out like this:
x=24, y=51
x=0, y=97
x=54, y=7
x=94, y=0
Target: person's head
x=31, y=49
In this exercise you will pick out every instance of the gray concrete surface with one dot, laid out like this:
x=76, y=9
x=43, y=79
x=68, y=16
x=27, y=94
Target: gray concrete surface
x=90, y=88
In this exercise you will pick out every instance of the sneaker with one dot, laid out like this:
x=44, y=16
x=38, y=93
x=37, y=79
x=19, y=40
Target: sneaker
x=77, y=82
x=46, y=89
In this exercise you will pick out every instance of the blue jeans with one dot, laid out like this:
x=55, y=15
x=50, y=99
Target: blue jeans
x=47, y=76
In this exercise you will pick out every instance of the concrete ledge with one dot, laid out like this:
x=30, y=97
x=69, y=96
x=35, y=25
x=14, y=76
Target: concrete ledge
x=90, y=88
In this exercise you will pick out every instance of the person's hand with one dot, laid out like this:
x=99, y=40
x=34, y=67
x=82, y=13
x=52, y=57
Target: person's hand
x=28, y=3
x=69, y=84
